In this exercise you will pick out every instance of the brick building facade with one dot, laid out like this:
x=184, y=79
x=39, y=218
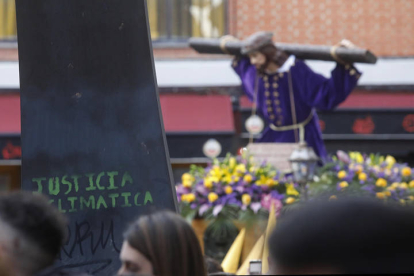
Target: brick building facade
x=383, y=26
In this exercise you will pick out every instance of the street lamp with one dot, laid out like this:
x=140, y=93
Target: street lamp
x=303, y=160
x=212, y=148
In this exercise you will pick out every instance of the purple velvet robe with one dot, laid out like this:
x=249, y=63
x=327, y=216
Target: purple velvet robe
x=311, y=90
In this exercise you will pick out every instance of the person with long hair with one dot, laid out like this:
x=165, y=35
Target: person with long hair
x=286, y=91
x=161, y=244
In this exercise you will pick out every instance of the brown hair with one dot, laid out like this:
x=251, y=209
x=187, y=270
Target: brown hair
x=273, y=54
x=169, y=243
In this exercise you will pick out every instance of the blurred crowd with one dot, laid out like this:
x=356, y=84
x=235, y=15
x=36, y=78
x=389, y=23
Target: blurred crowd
x=354, y=235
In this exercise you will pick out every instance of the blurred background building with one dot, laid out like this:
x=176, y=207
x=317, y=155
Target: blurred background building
x=201, y=97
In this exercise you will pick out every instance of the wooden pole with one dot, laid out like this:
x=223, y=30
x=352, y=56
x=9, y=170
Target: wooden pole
x=310, y=52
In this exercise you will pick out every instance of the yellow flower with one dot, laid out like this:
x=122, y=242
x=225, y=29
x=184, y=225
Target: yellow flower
x=188, y=198
x=290, y=190
x=390, y=161
x=411, y=198
x=290, y=200
x=343, y=184
x=403, y=186
x=359, y=169
x=391, y=188
x=271, y=182
x=248, y=178
x=261, y=181
x=387, y=193
x=406, y=171
x=411, y=184
x=357, y=157
x=381, y=182
x=228, y=190
x=241, y=169
x=187, y=184
x=252, y=169
x=216, y=171
x=236, y=178
x=187, y=177
x=381, y=195
x=362, y=176
x=402, y=201
x=246, y=199
x=227, y=178
x=333, y=197
x=212, y=197
x=208, y=183
x=232, y=162
x=395, y=185
x=388, y=172
x=342, y=174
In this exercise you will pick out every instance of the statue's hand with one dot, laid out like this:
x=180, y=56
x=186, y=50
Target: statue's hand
x=229, y=38
x=346, y=44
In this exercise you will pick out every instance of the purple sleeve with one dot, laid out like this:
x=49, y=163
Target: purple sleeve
x=326, y=94
x=247, y=74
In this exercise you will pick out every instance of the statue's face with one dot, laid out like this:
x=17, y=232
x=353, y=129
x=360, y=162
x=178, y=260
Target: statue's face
x=257, y=59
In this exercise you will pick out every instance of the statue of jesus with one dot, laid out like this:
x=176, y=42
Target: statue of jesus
x=286, y=91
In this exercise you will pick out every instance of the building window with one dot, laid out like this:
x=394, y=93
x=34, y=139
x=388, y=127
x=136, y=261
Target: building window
x=175, y=20
x=8, y=29
x=170, y=20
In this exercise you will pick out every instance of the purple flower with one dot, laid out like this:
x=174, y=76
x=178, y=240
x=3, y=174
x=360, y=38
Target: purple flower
x=381, y=175
x=343, y=156
x=256, y=207
x=182, y=190
x=337, y=168
x=202, y=190
x=217, y=210
x=268, y=200
x=276, y=195
x=203, y=209
x=369, y=188
x=193, y=206
x=227, y=199
x=240, y=189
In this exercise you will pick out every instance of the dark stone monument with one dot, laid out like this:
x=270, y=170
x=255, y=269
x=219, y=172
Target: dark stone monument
x=92, y=132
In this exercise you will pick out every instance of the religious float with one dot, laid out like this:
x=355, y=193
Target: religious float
x=234, y=196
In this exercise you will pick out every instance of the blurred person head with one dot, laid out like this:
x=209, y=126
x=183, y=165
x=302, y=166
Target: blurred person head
x=212, y=265
x=161, y=244
x=31, y=232
x=263, y=53
x=343, y=236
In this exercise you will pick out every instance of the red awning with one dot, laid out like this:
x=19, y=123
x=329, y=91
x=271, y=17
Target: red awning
x=9, y=114
x=358, y=99
x=197, y=113
x=181, y=113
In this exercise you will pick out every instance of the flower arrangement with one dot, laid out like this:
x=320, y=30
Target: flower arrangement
x=235, y=187
x=238, y=188
x=369, y=175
